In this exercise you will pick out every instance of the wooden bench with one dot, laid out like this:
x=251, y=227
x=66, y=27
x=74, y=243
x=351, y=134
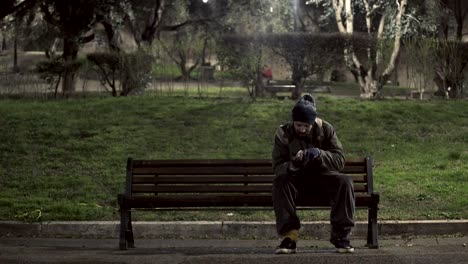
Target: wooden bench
x=202, y=184
x=284, y=86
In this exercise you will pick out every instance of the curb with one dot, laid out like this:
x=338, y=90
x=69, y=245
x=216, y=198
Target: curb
x=222, y=229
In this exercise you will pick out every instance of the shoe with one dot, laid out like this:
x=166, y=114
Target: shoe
x=287, y=246
x=343, y=246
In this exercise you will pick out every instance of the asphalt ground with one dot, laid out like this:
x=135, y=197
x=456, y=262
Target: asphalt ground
x=401, y=242
x=440, y=249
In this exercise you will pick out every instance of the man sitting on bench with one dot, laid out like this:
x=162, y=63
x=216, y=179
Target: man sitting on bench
x=307, y=158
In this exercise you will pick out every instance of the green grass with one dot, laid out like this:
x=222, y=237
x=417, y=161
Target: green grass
x=172, y=71
x=201, y=90
x=65, y=159
x=169, y=70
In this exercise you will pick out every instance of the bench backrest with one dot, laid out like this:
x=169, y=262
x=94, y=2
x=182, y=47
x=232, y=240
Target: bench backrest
x=212, y=177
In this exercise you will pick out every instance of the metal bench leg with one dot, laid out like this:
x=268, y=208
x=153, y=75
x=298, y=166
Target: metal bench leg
x=129, y=231
x=372, y=229
x=123, y=229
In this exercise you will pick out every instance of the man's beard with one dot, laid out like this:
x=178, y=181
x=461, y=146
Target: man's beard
x=302, y=135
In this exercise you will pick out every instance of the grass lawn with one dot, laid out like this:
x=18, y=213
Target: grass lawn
x=65, y=159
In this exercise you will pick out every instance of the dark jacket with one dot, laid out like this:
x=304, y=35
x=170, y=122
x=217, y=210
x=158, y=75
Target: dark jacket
x=322, y=136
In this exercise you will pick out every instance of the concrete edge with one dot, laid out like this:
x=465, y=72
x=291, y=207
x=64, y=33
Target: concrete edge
x=223, y=229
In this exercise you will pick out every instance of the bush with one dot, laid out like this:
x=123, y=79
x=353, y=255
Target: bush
x=136, y=71
x=132, y=70
x=52, y=70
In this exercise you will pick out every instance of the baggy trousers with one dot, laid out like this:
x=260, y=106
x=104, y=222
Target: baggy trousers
x=333, y=187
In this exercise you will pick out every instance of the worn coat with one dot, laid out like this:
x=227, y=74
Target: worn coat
x=322, y=136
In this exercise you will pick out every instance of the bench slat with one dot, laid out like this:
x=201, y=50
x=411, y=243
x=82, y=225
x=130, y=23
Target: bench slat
x=176, y=201
x=201, y=188
x=150, y=188
x=353, y=169
x=222, y=170
x=218, y=163
x=203, y=179
x=194, y=170
x=183, y=179
x=200, y=163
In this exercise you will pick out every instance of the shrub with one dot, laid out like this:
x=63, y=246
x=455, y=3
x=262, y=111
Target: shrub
x=131, y=70
x=53, y=69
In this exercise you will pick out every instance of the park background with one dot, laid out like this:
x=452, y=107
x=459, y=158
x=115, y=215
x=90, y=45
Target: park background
x=82, y=89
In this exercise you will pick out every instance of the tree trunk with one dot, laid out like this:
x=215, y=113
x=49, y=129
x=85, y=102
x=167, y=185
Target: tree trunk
x=183, y=67
x=52, y=50
x=448, y=87
x=259, y=85
x=441, y=88
x=370, y=87
x=126, y=85
x=69, y=82
x=296, y=93
x=153, y=23
x=111, y=35
x=297, y=78
x=449, y=75
x=4, y=43
x=15, y=54
x=203, y=55
x=70, y=52
x=370, y=84
x=57, y=85
x=298, y=81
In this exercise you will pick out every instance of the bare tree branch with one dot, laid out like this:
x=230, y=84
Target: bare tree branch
x=397, y=43
x=10, y=7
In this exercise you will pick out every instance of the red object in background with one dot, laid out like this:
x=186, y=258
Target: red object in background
x=267, y=73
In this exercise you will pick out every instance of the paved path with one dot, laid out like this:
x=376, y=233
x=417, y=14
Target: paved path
x=223, y=229
x=48, y=250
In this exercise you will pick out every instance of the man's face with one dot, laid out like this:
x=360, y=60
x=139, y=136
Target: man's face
x=302, y=129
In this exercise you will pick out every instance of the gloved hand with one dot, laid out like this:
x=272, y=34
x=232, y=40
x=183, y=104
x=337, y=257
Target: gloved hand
x=311, y=154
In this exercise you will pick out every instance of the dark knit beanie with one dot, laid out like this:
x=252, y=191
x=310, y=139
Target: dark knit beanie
x=304, y=110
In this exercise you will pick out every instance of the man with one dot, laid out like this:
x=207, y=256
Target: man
x=267, y=75
x=307, y=158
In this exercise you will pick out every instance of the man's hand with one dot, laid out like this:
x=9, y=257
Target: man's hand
x=296, y=161
x=311, y=154
x=299, y=156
